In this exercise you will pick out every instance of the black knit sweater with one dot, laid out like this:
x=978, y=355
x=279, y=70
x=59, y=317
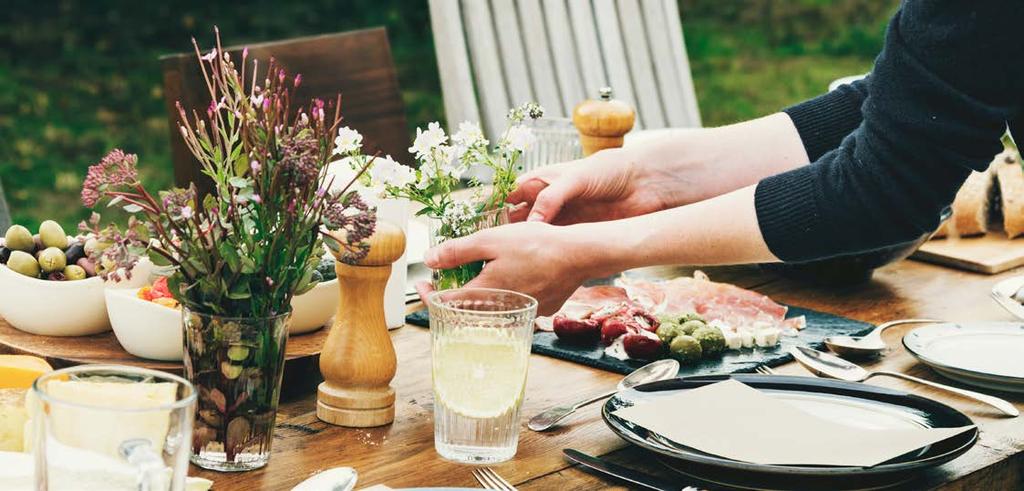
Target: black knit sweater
x=890, y=152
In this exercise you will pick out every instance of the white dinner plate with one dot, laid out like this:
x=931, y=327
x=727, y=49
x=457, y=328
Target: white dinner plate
x=985, y=354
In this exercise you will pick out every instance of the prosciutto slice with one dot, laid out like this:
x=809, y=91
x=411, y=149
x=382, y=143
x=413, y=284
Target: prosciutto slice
x=727, y=303
x=585, y=301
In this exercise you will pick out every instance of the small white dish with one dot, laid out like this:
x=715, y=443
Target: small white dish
x=984, y=354
x=145, y=329
x=1003, y=293
x=60, y=308
x=315, y=308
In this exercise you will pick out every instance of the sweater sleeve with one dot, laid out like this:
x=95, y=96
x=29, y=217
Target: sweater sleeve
x=938, y=99
x=824, y=121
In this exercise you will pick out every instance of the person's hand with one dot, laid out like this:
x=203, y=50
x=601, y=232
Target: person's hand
x=605, y=186
x=541, y=260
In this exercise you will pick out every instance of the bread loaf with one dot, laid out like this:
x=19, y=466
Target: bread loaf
x=970, y=207
x=1011, y=189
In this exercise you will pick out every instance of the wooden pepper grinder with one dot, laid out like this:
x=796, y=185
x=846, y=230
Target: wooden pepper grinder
x=603, y=122
x=358, y=359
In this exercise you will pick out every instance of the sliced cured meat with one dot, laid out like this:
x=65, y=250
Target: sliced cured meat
x=727, y=303
x=585, y=301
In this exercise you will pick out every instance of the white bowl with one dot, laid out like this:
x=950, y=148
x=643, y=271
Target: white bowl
x=145, y=329
x=59, y=308
x=315, y=308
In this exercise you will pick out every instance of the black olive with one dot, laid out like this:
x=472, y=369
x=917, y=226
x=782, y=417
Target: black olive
x=4, y=254
x=75, y=252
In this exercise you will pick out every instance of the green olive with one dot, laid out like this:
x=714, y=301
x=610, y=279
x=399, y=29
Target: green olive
x=74, y=272
x=685, y=349
x=52, y=235
x=52, y=259
x=18, y=238
x=23, y=262
x=690, y=326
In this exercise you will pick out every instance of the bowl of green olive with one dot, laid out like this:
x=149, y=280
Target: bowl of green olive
x=50, y=286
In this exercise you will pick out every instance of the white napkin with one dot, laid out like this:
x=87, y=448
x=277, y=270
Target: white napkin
x=732, y=420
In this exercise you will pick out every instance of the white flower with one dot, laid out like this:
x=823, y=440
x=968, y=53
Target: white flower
x=469, y=135
x=347, y=141
x=426, y=141
x=519, y=138
x=459, y=217
x=387, y=172
x=186, y=212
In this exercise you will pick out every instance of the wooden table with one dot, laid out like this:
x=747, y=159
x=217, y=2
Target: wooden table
x=402, y=454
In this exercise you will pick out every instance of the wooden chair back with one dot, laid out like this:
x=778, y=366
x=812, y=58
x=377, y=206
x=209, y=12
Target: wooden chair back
x=494, y=55
x=356, y=64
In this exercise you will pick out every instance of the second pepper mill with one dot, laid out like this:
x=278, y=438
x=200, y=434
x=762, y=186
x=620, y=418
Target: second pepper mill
x=358, y=359
x=602, y=123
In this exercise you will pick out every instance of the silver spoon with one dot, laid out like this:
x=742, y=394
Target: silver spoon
x=831, y=366
x=652, y=372
x=869, y=344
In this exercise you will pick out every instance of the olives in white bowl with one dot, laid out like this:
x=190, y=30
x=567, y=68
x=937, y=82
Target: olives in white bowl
x=60, y=308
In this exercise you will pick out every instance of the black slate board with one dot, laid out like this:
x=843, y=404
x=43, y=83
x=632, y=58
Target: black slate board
x=819, y=326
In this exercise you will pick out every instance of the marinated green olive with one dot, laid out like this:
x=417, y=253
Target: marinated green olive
x=52, y=235
x=74, y=272
x=685, y=349
x=692, y=316
x=23, y=262
x=18, y=238
x=692, y=325
x=711, y=339
x=667, y=331
x=52, y=259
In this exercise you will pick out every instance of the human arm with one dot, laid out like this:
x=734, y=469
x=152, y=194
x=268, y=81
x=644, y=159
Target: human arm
x=674, y=168
x=549, y=262
x=938, y=100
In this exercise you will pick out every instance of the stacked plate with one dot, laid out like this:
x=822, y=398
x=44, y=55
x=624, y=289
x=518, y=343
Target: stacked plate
x=985, y=354
x=853, y=403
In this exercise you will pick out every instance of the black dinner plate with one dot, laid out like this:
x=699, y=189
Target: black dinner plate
x=855, y=402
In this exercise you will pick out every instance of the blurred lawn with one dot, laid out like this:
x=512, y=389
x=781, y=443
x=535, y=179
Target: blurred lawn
x=79, y=77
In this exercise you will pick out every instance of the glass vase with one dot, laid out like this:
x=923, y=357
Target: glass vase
x=236, y=364
x=446, y=279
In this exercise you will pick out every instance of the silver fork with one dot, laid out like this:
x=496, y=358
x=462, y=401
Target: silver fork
x=763, y=370
x=491, y=480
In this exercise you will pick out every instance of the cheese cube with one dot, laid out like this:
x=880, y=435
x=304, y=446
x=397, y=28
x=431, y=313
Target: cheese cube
x=19, y=371
x=12, y=419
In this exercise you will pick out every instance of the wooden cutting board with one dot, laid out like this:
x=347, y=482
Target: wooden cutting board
x=990, y=254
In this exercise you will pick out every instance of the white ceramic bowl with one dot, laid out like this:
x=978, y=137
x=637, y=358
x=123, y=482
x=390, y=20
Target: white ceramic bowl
x=315, y=308
x=59, y=308
x=144, y=329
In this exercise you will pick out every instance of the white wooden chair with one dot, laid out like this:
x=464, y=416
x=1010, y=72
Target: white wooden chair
x=494, y=54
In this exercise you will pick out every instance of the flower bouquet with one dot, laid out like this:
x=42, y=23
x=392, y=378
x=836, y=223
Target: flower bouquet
x=442, y=164
x=237, y=256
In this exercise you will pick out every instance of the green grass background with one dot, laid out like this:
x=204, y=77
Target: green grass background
x=80, y=77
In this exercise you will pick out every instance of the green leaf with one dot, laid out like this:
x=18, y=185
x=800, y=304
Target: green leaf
x=116, y=200
x=239, y=182
x=248, y=265
x=230, y=256
x=158, y=259
x=240, y=290
x=133, y=208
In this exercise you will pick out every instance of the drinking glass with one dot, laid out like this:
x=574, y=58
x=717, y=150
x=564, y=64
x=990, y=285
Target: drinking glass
x=236, y=364
x=440, y=231
x=112, y=428
x=480, y=351
x=556, y=141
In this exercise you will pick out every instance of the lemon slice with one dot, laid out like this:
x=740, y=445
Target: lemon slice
x=480, y=372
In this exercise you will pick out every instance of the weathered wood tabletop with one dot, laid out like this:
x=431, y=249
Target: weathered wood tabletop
x=402, y=454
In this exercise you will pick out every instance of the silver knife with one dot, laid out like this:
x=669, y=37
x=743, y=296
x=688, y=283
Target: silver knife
x=618, y=471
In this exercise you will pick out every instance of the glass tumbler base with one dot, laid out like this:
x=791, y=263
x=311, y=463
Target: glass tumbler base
x=217, y=461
